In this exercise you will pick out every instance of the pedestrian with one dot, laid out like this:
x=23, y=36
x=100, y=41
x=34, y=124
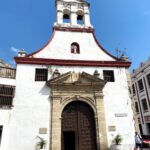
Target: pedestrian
x=138, y=141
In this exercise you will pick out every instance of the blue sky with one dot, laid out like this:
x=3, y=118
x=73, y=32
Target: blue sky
x=118, y=24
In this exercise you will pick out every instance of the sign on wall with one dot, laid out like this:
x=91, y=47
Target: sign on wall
x=121, y=115
x=111, y=128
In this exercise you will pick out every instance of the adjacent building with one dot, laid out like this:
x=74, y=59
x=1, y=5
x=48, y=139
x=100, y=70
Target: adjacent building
x=71, y=92
x=7, y=90
x=141, y=90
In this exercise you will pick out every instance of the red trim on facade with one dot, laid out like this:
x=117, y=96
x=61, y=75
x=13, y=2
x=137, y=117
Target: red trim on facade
x=146, y=91
x=99, y=45
x=58, y=62
x=139, y=103
x=73, y=30
x=43, y=46
x=91, y=30
x=142, y=91
x=84, y=30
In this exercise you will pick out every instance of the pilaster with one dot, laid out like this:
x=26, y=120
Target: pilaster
x=101, y=121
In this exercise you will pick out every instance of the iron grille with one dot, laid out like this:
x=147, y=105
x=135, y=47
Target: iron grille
x=41, y=75
x=6, y=95
x=108, y=76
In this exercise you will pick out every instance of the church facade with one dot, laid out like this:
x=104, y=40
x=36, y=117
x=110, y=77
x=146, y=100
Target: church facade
x=71, y=92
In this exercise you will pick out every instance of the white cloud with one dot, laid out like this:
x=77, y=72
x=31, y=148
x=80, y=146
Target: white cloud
x=147, y=13
x=13, y=49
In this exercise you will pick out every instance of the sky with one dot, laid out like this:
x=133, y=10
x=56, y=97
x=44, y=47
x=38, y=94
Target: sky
x=118, y=24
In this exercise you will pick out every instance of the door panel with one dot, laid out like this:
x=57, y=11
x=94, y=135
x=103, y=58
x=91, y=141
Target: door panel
x=78, y=117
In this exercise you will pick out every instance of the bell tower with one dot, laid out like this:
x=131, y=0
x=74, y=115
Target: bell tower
x=72, y=13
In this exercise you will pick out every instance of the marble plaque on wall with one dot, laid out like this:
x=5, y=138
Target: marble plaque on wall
x=43, y=131
x=111, y=128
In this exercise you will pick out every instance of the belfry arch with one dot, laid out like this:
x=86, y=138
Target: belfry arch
x=81, y=91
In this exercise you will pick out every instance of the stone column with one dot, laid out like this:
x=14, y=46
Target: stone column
x=101, y=121
x=87, y=19
x=73, y=18
x=55, y=124
x=59, y=17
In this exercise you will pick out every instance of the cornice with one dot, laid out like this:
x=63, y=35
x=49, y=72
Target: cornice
x=60, y=62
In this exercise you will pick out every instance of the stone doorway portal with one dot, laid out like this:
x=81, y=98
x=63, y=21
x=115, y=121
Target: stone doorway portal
x=77, y=112
x=78, y=127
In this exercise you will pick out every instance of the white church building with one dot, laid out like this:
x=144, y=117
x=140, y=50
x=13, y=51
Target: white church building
x=71, y=92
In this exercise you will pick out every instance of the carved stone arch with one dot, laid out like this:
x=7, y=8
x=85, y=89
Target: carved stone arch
x=80, y=12
x=80, y=87
x=66, y=13
x=78, y=98
x=80, y=16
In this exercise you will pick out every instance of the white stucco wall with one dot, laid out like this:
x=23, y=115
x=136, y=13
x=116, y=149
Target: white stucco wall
x=60, y=47
x=32, y=106
x=5, y=116
x=31, y=110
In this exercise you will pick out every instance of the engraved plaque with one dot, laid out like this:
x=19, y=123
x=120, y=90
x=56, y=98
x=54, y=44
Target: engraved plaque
x=43, y=131
x=111, y=128
x=121, y=115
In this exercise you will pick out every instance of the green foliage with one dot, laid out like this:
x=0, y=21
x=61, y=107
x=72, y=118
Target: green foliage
x=42, y=143
x=117, y=140
x=120, y=53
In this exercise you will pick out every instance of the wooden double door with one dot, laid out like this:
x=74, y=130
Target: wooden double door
x=78, y=127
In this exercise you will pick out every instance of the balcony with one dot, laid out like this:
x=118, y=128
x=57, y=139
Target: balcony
x=7, y=72
x=6, y=96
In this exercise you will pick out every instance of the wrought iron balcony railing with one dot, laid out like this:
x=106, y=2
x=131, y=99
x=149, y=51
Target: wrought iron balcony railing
x=7, y=72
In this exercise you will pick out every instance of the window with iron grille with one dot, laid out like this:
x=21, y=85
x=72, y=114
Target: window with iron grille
x=133, y=88
x=148, y=79
x=136, y=107
x=41, y=74
x=140, y=83
x=144, y=104
x=6, y=95
x=1, y=130
x=108, y=75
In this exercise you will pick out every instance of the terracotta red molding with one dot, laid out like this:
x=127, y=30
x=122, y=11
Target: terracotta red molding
x=146, y=91
x=84, y=30
x=59, y=62
x=43, y=46
x=139, y=103
x=99, y=45
x=87, y=30
x=73, y=30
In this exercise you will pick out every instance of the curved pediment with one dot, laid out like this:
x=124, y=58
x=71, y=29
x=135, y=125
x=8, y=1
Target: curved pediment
x=71, y=78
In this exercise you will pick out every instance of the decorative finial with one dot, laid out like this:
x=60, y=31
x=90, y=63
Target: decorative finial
x=56, y=73
x=96, y=74
x=22, y=53
x=124, y=58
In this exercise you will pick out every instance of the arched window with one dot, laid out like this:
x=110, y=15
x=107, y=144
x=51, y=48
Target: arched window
x=75, y=48
x=66, y=16
x=80, y=17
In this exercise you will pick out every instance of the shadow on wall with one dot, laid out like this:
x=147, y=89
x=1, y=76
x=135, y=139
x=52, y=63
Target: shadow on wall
x=45, y=90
